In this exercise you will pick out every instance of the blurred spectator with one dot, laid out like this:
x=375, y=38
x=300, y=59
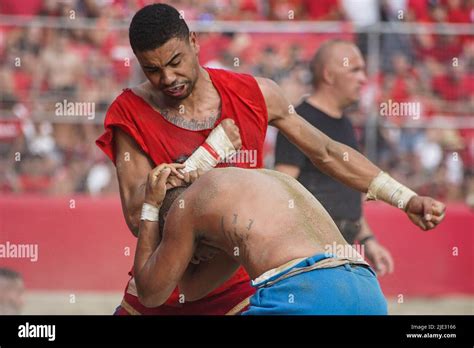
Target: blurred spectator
x=20, y=8
x=40, y=66
x=324, y=10
x=395, y=43
x=271, y=64
x=11, y=292
x=285, y=9
x=459, y=11
x=469, y=188
x=363, y=13
x=61, y=69
x=454, y=85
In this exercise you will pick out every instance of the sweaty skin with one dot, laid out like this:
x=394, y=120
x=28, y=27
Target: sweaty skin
x=260, y=219
x=268, y=216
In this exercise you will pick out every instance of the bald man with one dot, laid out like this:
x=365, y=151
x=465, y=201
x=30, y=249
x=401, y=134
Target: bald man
x=338, y=71
x=268, y=223
x=263, y=220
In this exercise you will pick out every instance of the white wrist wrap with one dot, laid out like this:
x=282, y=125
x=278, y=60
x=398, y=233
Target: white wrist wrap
x=220, y=142
x=200, y=159
x=383, y=187
x=150, y=212
x=220, y=148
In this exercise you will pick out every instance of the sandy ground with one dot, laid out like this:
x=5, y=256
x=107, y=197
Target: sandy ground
x=105, y=303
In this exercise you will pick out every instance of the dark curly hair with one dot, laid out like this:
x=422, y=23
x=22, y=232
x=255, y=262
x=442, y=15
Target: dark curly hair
x=154, y=25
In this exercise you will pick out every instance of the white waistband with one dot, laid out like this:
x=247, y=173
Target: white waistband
x=270, y=273
x=330, y=262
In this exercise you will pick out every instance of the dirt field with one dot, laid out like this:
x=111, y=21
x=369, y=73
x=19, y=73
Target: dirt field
x=105, y=303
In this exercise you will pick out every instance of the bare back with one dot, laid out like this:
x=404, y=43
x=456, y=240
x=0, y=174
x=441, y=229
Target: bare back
x=261, y=218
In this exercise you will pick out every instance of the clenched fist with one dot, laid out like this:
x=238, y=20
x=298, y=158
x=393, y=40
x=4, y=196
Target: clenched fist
x=232, y=132
x=425, y=212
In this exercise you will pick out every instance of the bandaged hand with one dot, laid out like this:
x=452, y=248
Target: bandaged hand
x=222, y=143
x=232, y=131
x=425, y=212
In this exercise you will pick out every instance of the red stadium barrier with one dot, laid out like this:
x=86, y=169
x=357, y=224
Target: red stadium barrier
x=82, y=245
x=426, y=263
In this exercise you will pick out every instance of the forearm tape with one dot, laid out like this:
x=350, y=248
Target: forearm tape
x=383, y=187
x=216, y=147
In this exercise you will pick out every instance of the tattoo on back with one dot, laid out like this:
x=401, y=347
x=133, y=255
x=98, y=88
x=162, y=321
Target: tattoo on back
x=235, y=238
x=250, y=224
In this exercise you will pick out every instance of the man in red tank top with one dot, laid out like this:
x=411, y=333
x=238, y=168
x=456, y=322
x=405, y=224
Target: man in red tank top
x=165, y=119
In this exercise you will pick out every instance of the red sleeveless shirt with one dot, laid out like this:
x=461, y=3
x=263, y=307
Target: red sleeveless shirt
x=164, y=142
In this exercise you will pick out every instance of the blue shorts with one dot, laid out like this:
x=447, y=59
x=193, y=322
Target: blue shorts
x=350, y=289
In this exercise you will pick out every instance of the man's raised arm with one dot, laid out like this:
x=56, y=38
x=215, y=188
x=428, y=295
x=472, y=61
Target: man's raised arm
x=344, y=163
x=133, y=165
x=160, y=260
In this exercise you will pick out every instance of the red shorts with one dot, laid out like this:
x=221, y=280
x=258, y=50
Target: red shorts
x=231, y=298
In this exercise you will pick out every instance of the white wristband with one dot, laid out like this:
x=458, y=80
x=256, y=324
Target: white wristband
x=202, y=158
x=383, y=187
x=150, y=212
x=220, y=142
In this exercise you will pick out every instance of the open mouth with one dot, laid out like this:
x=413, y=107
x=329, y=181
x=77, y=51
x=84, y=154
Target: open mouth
x=176, y=91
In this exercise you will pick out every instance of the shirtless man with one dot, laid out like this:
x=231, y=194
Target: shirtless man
x=167, y=117
x=263, y=220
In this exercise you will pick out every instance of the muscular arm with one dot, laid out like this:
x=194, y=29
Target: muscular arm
x=133, y=166
x=331, y=157
x=203, y=278
x=161, y=262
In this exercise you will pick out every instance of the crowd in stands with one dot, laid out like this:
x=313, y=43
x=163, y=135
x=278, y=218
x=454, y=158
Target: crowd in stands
x=42, y=152
x=360, y=11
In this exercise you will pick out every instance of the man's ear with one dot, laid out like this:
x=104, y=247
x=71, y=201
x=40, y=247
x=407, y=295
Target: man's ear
x=193, y=42
x=328, y=75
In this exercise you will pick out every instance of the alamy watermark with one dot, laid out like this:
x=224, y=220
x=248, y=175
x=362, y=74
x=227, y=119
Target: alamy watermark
x=400, y=109
x=19, y=251
x=241, y=157
x=345, y=251
x=28, y=330
x=75, y=109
